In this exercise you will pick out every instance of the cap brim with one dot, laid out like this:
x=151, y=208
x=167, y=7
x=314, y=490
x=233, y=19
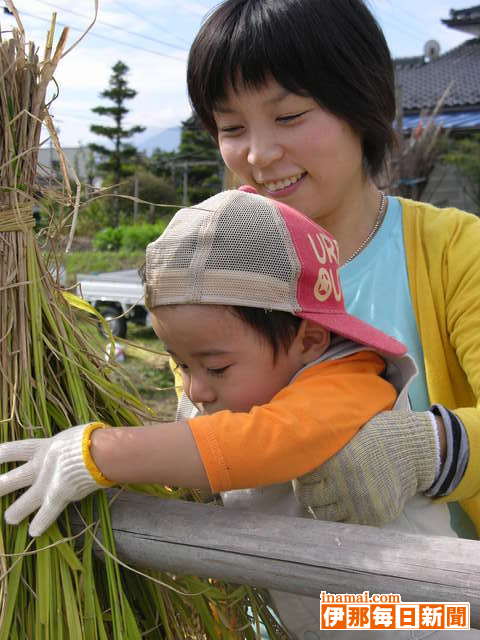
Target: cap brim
x=355, y=329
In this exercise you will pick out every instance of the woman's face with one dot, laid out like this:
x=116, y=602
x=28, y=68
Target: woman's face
x=289, y=148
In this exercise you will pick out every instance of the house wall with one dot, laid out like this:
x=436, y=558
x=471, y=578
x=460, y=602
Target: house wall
x=76, y=160
x=448, y=188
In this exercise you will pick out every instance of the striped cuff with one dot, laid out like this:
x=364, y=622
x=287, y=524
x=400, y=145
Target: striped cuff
x=456, y=457
x=88, y=461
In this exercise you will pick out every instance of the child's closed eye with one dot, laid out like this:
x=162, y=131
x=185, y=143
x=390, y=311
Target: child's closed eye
x=219, y=371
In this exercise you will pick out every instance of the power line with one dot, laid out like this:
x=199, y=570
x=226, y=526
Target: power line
x=391, y=22
x=113, y=26
x=156, y=25
x=95, y=35
x=411, y=16
x=418, y=28
x=417, y=32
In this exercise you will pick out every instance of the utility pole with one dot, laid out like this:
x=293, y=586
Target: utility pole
x=135, y=198
x=185, y=184
x=185, y=166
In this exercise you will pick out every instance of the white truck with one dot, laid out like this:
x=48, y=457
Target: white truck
x=118, y=296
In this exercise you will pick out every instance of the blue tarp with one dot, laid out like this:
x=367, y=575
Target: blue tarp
x=457, y=120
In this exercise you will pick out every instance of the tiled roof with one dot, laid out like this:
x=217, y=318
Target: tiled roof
x=466, y=13
x=463, y=16
x=422, y=83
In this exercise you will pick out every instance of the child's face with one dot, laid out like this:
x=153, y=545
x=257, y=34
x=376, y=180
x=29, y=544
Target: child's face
x=290, y=149
x=225, y=363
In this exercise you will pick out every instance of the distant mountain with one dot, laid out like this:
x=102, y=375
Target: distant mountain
x=164, y=139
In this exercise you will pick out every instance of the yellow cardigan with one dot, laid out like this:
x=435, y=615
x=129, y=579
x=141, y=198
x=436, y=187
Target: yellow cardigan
x=443, y=260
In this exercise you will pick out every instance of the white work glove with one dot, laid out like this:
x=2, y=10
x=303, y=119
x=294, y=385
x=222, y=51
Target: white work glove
x=58, y=470
x=392, y=458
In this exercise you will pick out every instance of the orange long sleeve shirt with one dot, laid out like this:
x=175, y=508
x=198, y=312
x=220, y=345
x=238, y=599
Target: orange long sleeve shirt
x=303, y=425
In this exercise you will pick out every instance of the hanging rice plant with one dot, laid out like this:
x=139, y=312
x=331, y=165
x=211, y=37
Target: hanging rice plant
x=53, y=375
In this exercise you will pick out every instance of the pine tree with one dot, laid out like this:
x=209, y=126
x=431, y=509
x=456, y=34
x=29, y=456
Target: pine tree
x=117, y=161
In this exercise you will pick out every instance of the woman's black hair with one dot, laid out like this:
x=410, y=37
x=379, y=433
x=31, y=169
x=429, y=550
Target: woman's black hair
x=331, y=50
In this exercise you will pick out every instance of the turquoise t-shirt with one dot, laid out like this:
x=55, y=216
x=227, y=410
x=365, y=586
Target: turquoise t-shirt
x=376, y=289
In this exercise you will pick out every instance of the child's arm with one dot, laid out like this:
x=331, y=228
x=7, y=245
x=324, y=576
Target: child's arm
x=157, y=454
x=305, y=424
x=60, y=469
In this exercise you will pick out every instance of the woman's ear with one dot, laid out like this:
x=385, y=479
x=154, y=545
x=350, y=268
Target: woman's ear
x=314, y=340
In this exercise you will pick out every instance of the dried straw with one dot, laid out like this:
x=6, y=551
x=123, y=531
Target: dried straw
x=53, y=375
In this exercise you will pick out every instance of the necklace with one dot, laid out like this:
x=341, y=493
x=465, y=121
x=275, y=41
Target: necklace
x=382, y=208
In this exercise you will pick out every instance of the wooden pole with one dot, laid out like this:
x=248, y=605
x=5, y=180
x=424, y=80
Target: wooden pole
x=135, y=195
x=185, y=184
x=297, y=555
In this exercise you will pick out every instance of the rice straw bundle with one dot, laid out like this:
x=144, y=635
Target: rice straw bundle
x=52, y=375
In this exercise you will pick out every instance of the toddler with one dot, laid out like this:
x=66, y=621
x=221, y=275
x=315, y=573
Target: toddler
x=277, y=376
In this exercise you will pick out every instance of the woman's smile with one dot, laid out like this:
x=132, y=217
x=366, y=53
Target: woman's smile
x=285, y=186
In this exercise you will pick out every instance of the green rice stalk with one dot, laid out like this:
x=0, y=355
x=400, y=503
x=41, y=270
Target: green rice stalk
x=53, y=375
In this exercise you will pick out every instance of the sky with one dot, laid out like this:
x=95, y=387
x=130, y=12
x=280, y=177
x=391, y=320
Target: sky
x=153, y=36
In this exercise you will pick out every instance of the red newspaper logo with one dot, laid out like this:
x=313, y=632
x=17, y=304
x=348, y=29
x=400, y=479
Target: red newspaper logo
x=380, y=611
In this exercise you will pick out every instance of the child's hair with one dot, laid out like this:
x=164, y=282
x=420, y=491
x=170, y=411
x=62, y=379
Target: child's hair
x=332, y=50
x=279, y=328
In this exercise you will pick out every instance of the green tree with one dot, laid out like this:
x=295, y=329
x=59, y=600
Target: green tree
x=162, y=164
x=153, y=190
x=197, y=145
x=464, y=153
x=117, y=161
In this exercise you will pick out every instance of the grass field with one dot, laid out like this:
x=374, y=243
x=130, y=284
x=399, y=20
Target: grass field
x=98, y=261
x=149, y=371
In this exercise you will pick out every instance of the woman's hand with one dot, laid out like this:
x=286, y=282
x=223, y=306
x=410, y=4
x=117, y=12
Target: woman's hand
x=58, y=470
x=392, y=458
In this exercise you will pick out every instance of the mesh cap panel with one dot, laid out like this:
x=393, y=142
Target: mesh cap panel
x=231, y=249
x=251, y=242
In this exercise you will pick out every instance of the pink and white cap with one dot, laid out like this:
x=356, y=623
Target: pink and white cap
x=239, y=248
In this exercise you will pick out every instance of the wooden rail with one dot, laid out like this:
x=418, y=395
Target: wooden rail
x=294, y=554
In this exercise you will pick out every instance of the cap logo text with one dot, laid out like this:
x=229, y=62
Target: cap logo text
x=326, y=250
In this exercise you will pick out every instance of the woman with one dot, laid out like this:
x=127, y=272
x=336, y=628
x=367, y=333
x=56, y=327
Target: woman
x=300, y=96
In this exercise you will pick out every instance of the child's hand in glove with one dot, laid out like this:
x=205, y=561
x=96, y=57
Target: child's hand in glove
x=57, y=470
